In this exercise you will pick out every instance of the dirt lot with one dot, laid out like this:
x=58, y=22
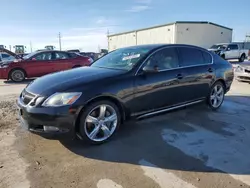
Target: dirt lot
x=193, y=148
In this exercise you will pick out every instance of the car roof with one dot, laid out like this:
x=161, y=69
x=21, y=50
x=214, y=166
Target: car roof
x=157, y=46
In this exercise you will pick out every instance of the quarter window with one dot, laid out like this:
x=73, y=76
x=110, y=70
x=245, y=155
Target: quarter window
x=164, y=59
x=192, y=57
x=207, y=58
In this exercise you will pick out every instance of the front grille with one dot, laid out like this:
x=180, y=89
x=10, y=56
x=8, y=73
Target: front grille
x=244, y=78
x=27, y=97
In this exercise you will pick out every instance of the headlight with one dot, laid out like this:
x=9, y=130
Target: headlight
x=61, y=99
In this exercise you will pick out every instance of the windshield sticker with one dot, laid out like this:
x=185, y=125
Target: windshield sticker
x=131, y=57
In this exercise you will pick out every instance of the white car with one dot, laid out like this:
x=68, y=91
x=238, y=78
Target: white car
x=230, y=51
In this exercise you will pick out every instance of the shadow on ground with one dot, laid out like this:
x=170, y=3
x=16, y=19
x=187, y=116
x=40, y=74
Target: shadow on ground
x=26, y=81
x=197, y=139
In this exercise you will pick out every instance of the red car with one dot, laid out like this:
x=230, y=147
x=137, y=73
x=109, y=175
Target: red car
x=37, y=64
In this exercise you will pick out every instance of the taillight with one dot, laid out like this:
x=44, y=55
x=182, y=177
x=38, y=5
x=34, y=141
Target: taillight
x=90, y=60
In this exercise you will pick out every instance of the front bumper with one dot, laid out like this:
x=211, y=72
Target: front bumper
x=3, y=73
x=53, y=123
x=242, y=76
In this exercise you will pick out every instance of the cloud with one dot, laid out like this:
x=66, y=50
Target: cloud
x=138, y=8
x=141, y=5
x=102, y=20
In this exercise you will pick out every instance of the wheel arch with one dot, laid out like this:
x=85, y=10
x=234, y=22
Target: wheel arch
x=17, y=68
x=123, y=111
x=222, y=81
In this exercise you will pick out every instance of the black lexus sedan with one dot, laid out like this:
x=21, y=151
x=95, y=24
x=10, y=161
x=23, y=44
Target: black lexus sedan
x=138, y=81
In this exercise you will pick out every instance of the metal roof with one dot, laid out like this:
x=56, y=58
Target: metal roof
x=177, y=22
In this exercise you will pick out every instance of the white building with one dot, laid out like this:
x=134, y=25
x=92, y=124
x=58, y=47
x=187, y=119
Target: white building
x=203, y=34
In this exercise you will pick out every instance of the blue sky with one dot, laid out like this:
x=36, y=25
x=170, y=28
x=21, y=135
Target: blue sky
x=84, y=23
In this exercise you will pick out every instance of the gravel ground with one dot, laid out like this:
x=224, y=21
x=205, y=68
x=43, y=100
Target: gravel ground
x=192, y=147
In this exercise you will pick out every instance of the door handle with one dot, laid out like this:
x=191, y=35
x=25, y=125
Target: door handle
x=179, y=76
x=210, y=70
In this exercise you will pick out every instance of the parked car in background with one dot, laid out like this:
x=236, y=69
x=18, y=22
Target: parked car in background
x=76, y=50
x=242, y=72
x=6, y=57
x=37, y=64
x=139, y=81
x=230, y=51
x=93, y=55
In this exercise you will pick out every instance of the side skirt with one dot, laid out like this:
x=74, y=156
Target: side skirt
x=168, y=109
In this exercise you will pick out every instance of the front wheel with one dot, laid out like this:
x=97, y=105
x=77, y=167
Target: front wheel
x=242, y=58
x=17, y=75
x=216, y=96
x=99, y=122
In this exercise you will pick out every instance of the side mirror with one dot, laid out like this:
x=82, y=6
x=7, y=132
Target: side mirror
x=150, y=69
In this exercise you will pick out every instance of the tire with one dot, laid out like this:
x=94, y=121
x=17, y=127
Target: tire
x=93, y=131
x=223, y=56
x=219, y=97
x=242, y=58
x=17, y=75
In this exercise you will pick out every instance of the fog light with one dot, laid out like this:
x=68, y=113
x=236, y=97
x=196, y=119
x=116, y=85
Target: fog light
x=50, y=128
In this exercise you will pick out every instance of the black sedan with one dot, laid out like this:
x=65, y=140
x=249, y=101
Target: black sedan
x=139, y=81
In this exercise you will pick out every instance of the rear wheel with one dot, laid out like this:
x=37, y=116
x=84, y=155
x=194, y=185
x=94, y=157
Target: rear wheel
x=99, y=122
x=216, y=96
x=17, y=75
x=242, y=58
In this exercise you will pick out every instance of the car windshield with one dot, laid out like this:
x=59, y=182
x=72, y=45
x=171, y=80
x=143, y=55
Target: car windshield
x=124, y=58
x=29, y=55
x=219, y=47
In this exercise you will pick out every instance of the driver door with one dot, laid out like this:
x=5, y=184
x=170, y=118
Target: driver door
x=39, y=65
x=160, y=88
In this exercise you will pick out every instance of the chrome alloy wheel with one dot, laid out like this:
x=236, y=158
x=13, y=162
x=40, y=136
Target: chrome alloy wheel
x=217, y=96
x=100, y=123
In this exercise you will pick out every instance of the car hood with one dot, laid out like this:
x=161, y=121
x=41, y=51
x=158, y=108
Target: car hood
x=66, y=80
x=10, y=53
x=245, y=64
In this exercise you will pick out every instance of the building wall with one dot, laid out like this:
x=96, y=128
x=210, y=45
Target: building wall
x=204, y=35
x=123, y=40
x=159, y=35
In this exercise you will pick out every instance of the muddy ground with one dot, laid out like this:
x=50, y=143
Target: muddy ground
x=192, y=147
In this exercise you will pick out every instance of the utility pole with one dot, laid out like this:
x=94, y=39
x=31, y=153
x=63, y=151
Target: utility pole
x=10, y=47
x=31, y=47
x=247, y=38
x=60, y=44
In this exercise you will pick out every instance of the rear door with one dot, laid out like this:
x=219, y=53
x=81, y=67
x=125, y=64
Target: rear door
x=62, y=61
x=198, y=72
x=39, y=64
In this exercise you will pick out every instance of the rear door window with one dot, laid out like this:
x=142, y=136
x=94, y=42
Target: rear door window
x=61, y=55
x=192, y=57
x=233, y=47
